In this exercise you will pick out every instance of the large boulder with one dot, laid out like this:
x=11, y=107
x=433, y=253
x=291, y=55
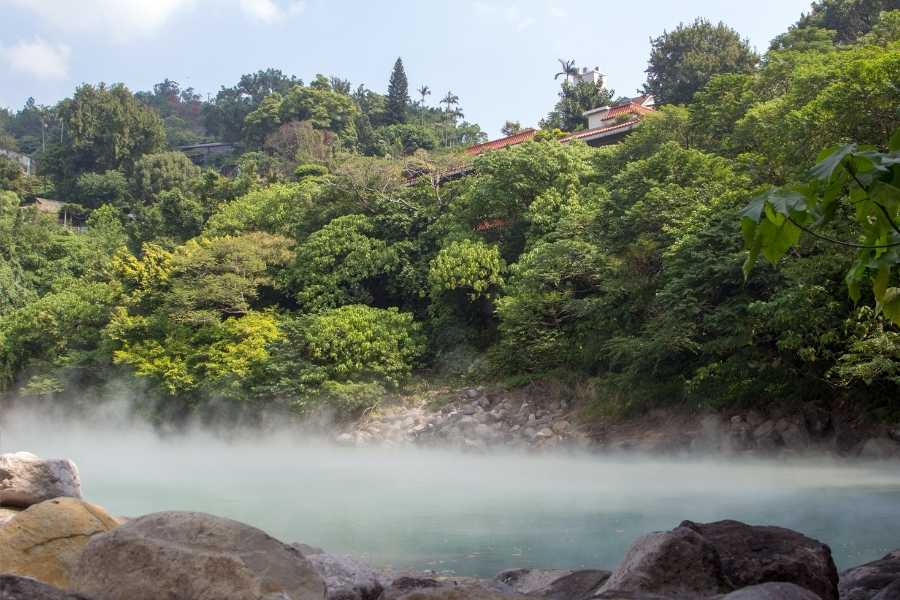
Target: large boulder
x=772, y=591
x=891, y=592
x=679, y=563
x=26, y=479
x=751, y=555
x=453, y=592
x=345, y=577
x=867, y=581
x=625, y=595
x=26, y=588
x=7, y=513
x=193, y=556
x=554, y=584
x=46, y=540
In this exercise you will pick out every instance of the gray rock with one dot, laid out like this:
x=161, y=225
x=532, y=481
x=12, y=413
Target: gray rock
x=772, y=591
x=185, y=555
x=345, y=577
x=867, y=581
x=891, y=592
x=554, y=584
x=818, y=421
x=751, y=555
x=754, y=419
x=453, y=592
x=883, y=448
x=763, y=430
x=678, y=563
x=405, y=584
x=561, y=427
x=894, y=433
x=26, y=588
x=796, y=437
x=26, y=479
x=625, y=595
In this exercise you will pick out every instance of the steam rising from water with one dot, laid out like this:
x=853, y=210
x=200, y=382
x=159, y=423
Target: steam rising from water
x=465, y=513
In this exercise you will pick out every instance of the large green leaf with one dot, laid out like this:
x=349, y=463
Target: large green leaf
x=754, y=210
x=787, y=202
x=894, y=144
x=830, y=159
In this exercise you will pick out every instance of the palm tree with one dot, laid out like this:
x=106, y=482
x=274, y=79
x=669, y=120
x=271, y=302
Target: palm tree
x=568, y=69
x=424, y=91
x=450, y=100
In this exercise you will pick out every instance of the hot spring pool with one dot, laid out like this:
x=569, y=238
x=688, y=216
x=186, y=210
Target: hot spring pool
x=463, y=513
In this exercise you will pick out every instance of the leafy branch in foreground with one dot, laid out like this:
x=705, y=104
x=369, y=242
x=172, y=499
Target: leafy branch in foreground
x=857, y=181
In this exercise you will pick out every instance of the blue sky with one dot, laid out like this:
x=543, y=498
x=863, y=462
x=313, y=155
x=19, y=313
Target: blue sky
x=498, y=56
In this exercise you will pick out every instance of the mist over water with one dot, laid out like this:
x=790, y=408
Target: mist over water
x=469, y=514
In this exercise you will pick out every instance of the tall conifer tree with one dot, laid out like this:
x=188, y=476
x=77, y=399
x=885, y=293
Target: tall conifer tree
x=398, y=94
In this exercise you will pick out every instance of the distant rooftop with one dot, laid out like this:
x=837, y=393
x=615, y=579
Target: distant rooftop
x=511, y=140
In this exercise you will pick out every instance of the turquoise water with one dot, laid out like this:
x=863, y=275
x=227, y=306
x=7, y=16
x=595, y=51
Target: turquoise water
x=463, y=513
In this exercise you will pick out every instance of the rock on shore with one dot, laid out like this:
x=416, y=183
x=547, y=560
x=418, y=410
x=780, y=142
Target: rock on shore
x=476, y=419
x=13, y=587
x=879, y=579
x=46, y=540
x=193, y=556
x=26, y=479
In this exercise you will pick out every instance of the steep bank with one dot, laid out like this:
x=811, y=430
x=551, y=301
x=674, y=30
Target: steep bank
x=540, y=417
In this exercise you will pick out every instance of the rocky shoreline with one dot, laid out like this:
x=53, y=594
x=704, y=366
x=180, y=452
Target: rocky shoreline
x=56, y=546
x=477, y=419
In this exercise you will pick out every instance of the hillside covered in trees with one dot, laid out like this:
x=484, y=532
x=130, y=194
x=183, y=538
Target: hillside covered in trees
x=329, y=265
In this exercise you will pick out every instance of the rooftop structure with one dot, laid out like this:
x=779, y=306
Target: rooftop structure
x=592, y=76
x=511, y=140
x=608, y=124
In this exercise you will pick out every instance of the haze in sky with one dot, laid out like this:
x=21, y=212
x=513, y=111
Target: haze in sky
x=498, y=56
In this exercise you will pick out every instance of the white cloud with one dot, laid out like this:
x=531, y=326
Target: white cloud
x=39, y=58
x=556, y=10
x=262, y=10
x=121, y=20
x=268, y=11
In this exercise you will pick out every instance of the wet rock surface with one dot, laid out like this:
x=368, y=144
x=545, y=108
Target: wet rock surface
x=26, y=479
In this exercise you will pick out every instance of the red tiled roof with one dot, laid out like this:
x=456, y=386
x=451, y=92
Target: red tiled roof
x=517, y=138
x=624, y=109
x=489, y=224
x=600, y=131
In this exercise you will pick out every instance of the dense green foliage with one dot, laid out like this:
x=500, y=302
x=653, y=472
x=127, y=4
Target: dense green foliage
x=683, y=60
x=329, y=261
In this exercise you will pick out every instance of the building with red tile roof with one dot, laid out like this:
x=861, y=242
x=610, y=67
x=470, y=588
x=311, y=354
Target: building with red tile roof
x=606, y=125
x=525, y=135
